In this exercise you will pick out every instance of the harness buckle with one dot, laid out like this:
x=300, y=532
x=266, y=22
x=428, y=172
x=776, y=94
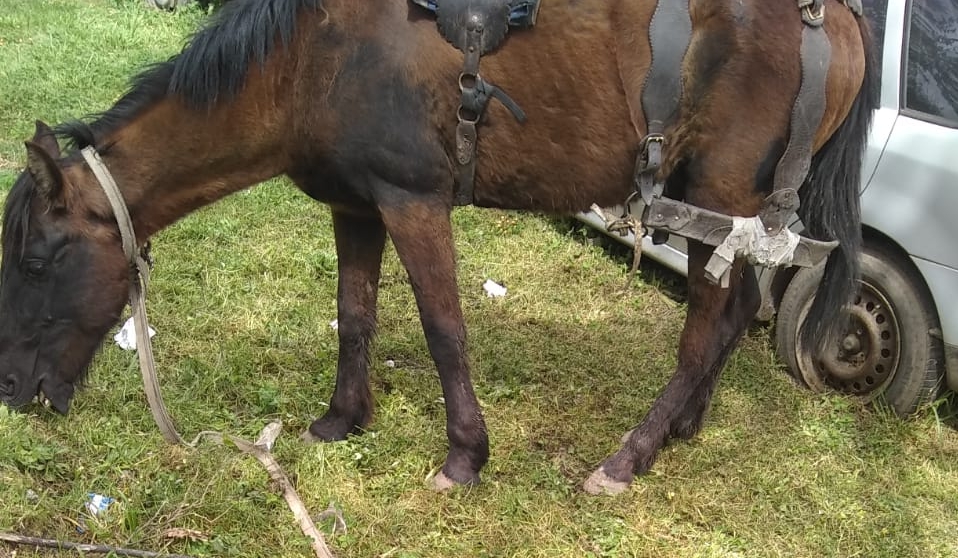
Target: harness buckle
x=813, y=17
x=650, y=138
x=650, y=152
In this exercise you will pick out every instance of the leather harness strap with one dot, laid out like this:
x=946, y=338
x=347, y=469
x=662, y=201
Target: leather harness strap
x=475, y=94
x=792, y=168
x=140, y=279
x=669, y=36
x=670, y=33
x=477, y=27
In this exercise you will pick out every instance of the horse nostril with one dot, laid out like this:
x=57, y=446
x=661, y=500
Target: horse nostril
x=8, y=387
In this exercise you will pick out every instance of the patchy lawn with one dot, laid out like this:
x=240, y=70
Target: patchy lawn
x=242, y=297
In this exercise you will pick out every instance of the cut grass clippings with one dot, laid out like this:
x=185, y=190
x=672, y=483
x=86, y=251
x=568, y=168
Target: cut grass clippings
x=242, y=296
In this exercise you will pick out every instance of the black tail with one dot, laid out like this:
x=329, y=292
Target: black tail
x=830, y=205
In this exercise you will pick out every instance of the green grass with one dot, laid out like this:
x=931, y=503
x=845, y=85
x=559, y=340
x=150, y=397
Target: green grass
x=242, y=297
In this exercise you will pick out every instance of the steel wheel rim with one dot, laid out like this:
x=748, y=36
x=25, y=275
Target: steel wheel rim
x=862, y=360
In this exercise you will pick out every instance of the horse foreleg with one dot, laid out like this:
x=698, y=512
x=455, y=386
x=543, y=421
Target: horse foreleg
x=359, y=249
x=422, y=234
x=716, y=321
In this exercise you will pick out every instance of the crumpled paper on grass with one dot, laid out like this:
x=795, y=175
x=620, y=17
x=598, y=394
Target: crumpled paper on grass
x=126, y=337
x=493, y=289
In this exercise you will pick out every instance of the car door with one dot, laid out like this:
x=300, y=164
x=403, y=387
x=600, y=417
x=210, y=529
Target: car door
x=912, y=196
x=917, y=171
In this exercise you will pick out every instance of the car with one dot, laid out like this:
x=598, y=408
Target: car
x=901, y=344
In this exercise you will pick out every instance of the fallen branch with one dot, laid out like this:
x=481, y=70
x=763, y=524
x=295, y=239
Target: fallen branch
x=89, y=548
x=261, y=451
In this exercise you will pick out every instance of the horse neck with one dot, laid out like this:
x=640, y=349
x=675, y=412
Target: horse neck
x=173, y=159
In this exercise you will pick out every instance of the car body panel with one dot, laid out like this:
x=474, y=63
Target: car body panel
x=943, y=283
x=913, y=194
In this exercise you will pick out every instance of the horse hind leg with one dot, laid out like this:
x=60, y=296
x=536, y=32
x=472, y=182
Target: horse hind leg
x=716, y=320
x=359, y=248
x=740, y=307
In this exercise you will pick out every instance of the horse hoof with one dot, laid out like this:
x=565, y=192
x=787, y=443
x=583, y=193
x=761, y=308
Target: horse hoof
x=333, y=428
x=442, y=483
x=309, y=438
x=600, y=483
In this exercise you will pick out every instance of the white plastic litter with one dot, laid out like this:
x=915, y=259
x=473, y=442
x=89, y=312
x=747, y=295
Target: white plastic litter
x=493, y=289
x=97, y=503
x=334, y=324
x=126, y=337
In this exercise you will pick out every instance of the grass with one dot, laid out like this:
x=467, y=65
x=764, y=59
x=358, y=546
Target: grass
x=242, y=297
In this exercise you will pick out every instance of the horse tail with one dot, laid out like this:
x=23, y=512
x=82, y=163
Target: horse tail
x=830, y=205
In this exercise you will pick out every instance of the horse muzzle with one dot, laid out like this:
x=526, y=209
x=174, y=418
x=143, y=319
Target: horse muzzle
x=56, y=395
x=16, y=394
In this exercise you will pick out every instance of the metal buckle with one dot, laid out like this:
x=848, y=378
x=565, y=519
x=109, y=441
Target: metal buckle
x=650, y=162
x=813, y=18
x=650, y=138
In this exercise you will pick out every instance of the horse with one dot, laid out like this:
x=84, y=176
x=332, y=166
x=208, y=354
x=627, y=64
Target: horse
x=356, y=103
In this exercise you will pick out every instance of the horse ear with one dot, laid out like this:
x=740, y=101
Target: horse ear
x=45, y=138
x=46, y=173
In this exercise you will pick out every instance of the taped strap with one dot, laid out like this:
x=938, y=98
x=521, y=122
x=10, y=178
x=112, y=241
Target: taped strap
x=748, y=239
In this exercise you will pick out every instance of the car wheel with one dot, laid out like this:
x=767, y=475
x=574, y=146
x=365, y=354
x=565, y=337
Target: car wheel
x=888, y=350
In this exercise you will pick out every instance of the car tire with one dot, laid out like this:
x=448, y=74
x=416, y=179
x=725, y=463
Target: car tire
x=889, y=351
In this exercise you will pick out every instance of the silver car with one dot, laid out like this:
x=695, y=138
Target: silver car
x=902, y=339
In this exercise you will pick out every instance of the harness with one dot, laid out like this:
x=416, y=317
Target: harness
x=477, y=27
x=764, y=239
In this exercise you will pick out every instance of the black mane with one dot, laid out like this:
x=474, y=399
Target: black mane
x=16, y=218
x=211, y=68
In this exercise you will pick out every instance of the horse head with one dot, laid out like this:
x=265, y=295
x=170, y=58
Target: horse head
x=63, y=279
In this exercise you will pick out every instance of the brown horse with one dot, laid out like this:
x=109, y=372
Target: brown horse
x=356, y=103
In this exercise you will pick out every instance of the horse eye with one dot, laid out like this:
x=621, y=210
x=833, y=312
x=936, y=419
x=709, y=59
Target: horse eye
x=36, y=268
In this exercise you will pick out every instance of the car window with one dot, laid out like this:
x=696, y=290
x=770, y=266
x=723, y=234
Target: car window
x=875, y=11
x=931, y=71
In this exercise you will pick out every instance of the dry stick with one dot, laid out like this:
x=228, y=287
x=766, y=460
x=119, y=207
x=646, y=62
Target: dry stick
x=260, y=450
x=92, y=548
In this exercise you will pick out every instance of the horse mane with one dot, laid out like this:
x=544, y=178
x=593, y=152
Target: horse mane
x=16, y=218
x=212, y=67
